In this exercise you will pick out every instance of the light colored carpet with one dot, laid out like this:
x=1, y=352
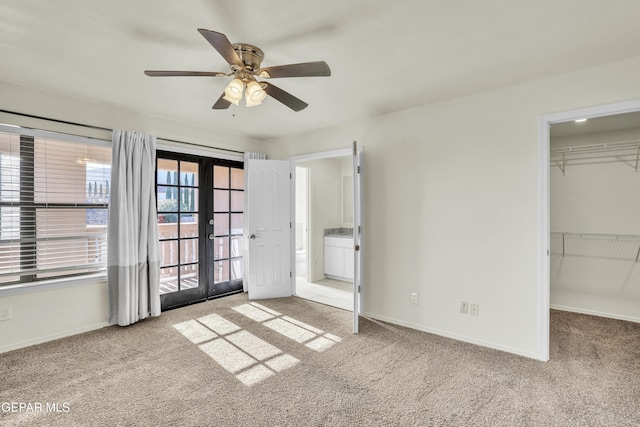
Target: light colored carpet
x=292, y=362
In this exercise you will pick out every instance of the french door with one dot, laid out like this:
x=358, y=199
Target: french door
x=200, y=223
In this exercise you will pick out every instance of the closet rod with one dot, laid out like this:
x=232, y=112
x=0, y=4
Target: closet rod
x=31, y=116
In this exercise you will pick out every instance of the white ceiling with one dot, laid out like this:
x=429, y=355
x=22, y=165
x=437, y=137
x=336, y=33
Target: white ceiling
x=618, y=122
x=385, y=56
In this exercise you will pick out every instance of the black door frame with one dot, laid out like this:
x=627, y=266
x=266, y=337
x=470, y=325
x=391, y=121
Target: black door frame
x=206, y=289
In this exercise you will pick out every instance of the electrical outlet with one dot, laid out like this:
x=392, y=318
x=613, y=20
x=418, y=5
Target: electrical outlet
x=464, y=307
x=414, y=298
x=5, y=313
x=475, y=309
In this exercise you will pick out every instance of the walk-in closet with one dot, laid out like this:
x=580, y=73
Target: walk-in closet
x=595, y=216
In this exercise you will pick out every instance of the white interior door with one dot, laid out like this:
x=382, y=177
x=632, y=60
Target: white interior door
x=358, y=156
x=269, y=229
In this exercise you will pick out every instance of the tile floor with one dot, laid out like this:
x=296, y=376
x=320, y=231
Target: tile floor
x=328, y=291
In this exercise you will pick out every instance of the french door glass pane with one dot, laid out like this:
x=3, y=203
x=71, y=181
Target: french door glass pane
x=188, y=200
x=237, y=179
x=236, y=269
x=188, y=251
x=167, y=171
x=221, y=248
x=236, y=246
x=168, y=252
x=168, y=280
x=189, y=225
x=221, y=177
x=221, y=271
x=236, y=223
x=189, y=174
x=237, y=201
x=221, y=224
x=189, y=276
x=221, y=200
x=167, y=199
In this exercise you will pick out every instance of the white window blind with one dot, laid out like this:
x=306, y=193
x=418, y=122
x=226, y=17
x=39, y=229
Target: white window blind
x=54, y=194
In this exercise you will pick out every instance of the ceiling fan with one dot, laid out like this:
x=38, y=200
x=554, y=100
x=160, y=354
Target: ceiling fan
x=245, y=61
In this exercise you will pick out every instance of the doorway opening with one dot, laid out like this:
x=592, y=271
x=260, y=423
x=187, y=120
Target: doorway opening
x=324, y=230
x=551, y=245
x=200, y=204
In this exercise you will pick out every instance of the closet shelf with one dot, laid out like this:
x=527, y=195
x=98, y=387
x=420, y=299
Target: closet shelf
x=625, y=151
x=614, y=246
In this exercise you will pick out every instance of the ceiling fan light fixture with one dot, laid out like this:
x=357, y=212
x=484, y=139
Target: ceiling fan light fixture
x=233, y=92
x=255, y=93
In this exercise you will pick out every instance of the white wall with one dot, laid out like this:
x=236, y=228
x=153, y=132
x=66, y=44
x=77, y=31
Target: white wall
x=39, y=316
x=452, y=204
x=325, y=181
x=44, y=315
x=596, y=198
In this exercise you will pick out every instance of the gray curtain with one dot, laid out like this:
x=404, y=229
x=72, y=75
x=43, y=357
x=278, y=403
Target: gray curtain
x=245, y=252
x=133, y=258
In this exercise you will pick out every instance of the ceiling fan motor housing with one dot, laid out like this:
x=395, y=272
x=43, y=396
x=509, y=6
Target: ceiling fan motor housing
x=250, y=55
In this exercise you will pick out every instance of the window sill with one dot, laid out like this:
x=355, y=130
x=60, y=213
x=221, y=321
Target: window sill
x=47, y=285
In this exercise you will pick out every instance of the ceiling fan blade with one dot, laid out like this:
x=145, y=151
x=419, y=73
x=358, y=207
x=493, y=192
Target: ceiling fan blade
x=157, y=73
x=305, y=69
x=285, y=97
x=221, y=103
x=222, y=44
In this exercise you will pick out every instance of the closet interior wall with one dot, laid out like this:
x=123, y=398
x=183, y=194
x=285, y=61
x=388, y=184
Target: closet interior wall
x=595, y=225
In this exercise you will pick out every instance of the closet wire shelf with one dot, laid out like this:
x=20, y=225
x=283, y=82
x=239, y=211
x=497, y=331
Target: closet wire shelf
x=611, y=246
x=626, y=151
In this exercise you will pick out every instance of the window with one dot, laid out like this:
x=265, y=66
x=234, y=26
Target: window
x=54, y=196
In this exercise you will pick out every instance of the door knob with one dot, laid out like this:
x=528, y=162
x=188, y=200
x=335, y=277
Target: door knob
x=210, y=236
x=210, y=222
x=252, y=237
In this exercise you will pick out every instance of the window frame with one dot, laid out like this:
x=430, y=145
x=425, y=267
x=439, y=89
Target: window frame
x=29, y=281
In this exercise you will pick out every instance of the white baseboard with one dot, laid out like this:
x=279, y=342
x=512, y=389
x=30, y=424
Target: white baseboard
x=52, y=337
x=596, y=313
x=457, y=337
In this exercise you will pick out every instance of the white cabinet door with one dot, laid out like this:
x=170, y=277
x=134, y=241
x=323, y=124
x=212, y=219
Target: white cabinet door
x=347, y=256
x=333, y=260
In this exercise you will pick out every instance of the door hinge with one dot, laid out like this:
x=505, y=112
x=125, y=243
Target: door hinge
x=355, y=149
x=358, y=229
x=358, y=288
x=290, y=175
x=290, y=225
x=290, y=274
x=358, y=169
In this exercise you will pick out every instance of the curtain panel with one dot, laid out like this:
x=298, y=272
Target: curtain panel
x=133, y=256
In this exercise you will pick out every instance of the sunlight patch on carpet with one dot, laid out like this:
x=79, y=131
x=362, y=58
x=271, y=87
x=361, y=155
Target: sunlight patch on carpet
x=250, y=358
x=253, y=345
x=267, y=309
x=195, y=332
x=253, y=313
x=290, y=330
x=303, y=333
x=228, y=356
x=320, y=344
x=218, y=324
x=281, y=363
x=254, y=375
